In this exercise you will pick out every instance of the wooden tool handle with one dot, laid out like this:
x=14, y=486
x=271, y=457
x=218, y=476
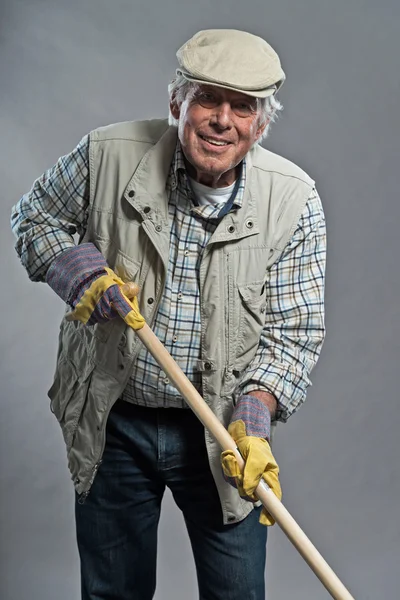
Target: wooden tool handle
x=130, y=289
x=272, y=504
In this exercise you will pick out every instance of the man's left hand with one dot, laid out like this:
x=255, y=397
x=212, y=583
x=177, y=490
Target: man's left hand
x=259, y=463
x=250, y=427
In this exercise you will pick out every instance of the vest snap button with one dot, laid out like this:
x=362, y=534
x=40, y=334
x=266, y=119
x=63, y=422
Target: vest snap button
x=150, y=300
x=131, y=193
x=249, y=224
x=146, y=209
x=158, y=228
x=231, y=228
x=207, y=366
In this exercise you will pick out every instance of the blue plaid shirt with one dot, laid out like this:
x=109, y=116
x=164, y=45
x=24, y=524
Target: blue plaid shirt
x=46, y=218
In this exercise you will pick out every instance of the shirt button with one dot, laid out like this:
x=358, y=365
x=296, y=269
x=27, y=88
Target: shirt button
x=166, y=381
x=186, y=253
x=180, y=295
x=175, y=339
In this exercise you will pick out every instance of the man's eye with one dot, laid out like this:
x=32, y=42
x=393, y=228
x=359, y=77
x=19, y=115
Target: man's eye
x=207, y=99
x=245, y=106
x=206, y=96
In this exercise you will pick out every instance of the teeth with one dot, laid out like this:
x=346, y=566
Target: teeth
x=214, y=142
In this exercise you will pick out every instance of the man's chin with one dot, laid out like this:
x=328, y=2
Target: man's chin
x=214, y=164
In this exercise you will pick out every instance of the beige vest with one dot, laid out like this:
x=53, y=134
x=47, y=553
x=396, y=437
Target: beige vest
x=128, y=223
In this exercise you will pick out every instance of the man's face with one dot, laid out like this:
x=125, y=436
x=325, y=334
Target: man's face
x=217, y=127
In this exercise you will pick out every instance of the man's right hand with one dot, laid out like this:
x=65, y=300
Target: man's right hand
x=81, y=277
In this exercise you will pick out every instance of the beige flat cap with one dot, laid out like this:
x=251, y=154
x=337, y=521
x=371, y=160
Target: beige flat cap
x=231, y=59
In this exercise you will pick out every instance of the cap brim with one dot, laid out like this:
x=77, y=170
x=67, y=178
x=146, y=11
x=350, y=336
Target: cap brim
x=263, y=93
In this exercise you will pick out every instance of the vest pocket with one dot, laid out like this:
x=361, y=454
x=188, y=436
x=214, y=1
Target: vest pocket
x=67, y=396
x=126, y=267
x=252, y=308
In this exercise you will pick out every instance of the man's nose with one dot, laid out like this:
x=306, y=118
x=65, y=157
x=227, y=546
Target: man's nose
x=222, y=115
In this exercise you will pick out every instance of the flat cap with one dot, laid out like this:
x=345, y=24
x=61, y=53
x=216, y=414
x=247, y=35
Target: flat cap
x=231, y=59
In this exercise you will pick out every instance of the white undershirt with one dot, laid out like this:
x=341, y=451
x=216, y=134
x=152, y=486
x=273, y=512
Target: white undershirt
x=207, y=195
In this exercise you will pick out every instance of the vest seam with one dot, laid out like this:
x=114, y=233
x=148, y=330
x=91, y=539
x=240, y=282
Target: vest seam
x=122, y=139
x=103, y=211
x=305, y=180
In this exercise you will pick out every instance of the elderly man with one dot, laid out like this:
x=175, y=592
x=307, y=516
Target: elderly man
x=227, y=243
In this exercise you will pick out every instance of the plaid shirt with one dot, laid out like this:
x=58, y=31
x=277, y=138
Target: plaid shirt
x=45, y=219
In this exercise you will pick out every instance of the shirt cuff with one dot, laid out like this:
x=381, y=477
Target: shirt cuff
x=283, y=383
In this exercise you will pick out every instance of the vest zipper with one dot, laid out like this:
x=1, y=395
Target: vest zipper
x=95, y=468
x=85, y=494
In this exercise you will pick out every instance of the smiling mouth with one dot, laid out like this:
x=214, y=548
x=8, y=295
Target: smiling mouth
x=214, y=142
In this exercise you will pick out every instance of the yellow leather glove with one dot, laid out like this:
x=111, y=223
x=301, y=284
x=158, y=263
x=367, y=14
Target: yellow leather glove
x=259, y=463
x=104, y=299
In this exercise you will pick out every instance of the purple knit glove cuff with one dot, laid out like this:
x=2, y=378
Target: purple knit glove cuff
x=74, y=270
x=255, y=416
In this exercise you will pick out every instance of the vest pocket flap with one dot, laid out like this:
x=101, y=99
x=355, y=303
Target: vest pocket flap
x=123, y=265
x=252, y=313
x=253, y=294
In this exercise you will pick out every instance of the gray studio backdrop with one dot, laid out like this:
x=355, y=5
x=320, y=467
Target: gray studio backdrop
x=68, y=67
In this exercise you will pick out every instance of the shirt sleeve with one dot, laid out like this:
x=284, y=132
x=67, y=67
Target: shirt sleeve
x=45, y=219
x=294, y=329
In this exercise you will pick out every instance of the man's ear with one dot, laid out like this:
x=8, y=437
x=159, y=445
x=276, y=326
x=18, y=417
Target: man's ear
x=261, y=128
x=175, y=110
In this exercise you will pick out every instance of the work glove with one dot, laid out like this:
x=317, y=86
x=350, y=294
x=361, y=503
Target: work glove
x=249, y=427
x=81, y=277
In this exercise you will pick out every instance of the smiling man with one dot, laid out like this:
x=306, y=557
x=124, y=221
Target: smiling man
x=227, y=243
x=217, y=127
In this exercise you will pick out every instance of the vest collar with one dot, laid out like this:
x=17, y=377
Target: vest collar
x=146, y=188
x=146, y=191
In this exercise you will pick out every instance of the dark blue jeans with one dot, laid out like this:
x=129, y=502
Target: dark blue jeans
x=146, y=450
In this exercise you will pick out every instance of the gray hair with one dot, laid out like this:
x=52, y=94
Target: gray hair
x=268, y=108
